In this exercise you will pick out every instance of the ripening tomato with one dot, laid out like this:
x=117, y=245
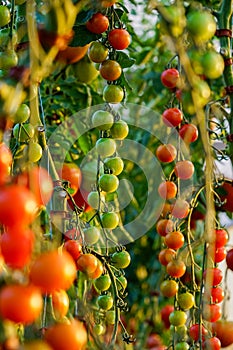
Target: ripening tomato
x=184, y=169
x=189, y=133
x=72, y=54
x=212, y=344
x=224, y=331
x=164, y=226
x=180, y=209
x=176, y=268
x=226, y=195
x=73, y=247
x=72, y=173
x=98, y=271
x=197, y=329
x=60, y=302
x=119, y=39
x=153, y=340
x=219, y=254
x=215, y=274
x=201, y=25
x=18, y=206
x=167, y=190
x=178, y=318
x=169, y=288
x=217, y=295
x=53, y=270
x=166, y=153
x=174, y=240
x=20, y=303
x=165, y=312
x=186, y=300
x=229, y=259
x=107, y=3
x=212, y=312
x=87, y=263
x=221, y=238
x=170, y=77
x=63, y=336
x=166, y=255
x=110, y=70
x=98, y=23
x=172, y=117
x=5, y=163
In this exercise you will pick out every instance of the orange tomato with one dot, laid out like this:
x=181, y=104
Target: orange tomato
x=72, y=54
x=61, y=302
x=72, y=173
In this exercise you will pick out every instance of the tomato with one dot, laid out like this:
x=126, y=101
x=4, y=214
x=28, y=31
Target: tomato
x=22, y=114
x=226, y=195
x=177, y=318
x=217, y=295
x=229, y=259
x=18, y=205
x=93, y=199
x=213, y=64
x=73, y=247
x=166, y=255
x=85, y=71
x=98, y=23
x=212, y=344
x=212, y=312
x=61, y=302
x=121, y=282
x=97, y=272
x=172, y=117
x=221, y=238
x=91, y=235
x=87, y=263
x=75, y=336
x=164, y=226
x=110, y=317
x=167, y=190
x=53, y=270
x=72, y=173
x=224, y=331
x=110, y=70
x=165, y=209
x=176, y=268
x=107, y=3
x=113, y=93
x=72, y=54
x=201, y=25
x=105, y=147
x=103, y=282
x=174, y=240
x=105, y=302
x=103, y=120
x=119, y=130
x=120, y=259
x=5, y=15
x=8, y=59
x=17, y=245
x=194, y=332
x=33, y=152
x=23, y=132
x=219, y=254
x=35, y=345
x=97, y=52
x=99, y=329
x=114, y=164
x=170, y=77
x=186, y=300
x=180, y=209
x=182, y=346
x=110, y=220
x=20, y=303
x=5, y=163
x=153, y=340
x=215, y=274
x=166, y=153
x=108, y=183
x=119, y=39
x=38, y=181
x=184, y=169
x=189, y=133
x=165, y=313
x=169, y=288
x=73, y=234
x=80, y=198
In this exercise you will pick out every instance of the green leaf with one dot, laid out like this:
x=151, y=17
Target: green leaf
x=85, y=143
x=82, y=36
x=83, y=17
x=124, y=60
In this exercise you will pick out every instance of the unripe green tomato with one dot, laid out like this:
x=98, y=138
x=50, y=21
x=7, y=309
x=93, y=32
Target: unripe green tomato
x=120, y=259
x=110, y=317
x=108, y=183
x=113, y=94
x=103, y=282
x=25, y=133
x=97, y=52
x=93, y=199
x=195, y=57
x=201, y=25
x=103, y=120
x=181, y=333
x=8, y=59
x=105, y=147
x=5, y=15
x=119, y=130
x=186, y=300
x=22, y=114
x=99, y=329
x=91, y=235
x=105, y=302
x=115, y=164
x=5, y=37
x=177, y=318
x=121, y=282
x=85, y=71
x=213, y=64
x=33, y=152
x=182, y=346
x=110, y=220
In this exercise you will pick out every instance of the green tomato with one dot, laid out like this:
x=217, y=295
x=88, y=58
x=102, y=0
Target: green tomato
x=33, y=152
x=213, y=64
x=110, y=317
x=186, y=300
x=182, y=346
x=113, y=93
x=195, y=57
x=110, y=220
x=8, y=59
x=201, y=25
x=5, y=15
x=120, y=259
x=5, y=37
x=105, y=147
x=108, y=183
x=114, y=164
x=121, y=282
x=85, y=72
x=99, y=329
x=103, y=282
x=119, y=130
x=97, y=52
x=93, y=199
x=24, y=133
x=91, y=235
x=103, y=120
x=105, y=302
x=22, y=114
x=177, y=318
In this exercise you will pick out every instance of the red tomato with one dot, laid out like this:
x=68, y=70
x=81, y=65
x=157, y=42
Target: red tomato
x=166, y=153
x=5, y=163
x=80, y=198
x=73, y=247
x=176, y=268
x=153, y=340
x=172, y=117
x=174, y=240
x=180, y=209
x=18, y=206
x=20, y=303
x=164, y=226
x=212, y=312
x=165, y=313
x=221, y=238
x=72, y=234
x=184, y=169
x=167, y=190
x=98, y=23
x=212, y=344
x=72, y=173
x=119, y=39
x=170, y=77
x=194, y=332
x=215, y=274
x=188, y=132
x=229, y=259
x=53, y=270
x=217, y=295
x=220, y=254
x=17, y=246
x=224, y=331
x=166, y=255
x=97, y=272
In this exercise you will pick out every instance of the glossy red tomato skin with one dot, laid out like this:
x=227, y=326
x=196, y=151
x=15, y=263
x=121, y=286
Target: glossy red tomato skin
x=221, y=238
x=17, y=246
x=224, y=331
x=189, y=133
x=18, y=206
x=20, y=303
x=216, y=274
x=5, y=163
x=194, y=332
x=98, y=24
x=212, y=344
x=164, y=226
x=176, y=268
x=212, y=312
x=170, y=77
x=72, y=173
x=167, y=189
x=80, y=198
x=165, y=312
x=229, y=259
x=166, y=153
x=217, y=295
x=220, y=254
x=172, y=117
x=119, y=39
